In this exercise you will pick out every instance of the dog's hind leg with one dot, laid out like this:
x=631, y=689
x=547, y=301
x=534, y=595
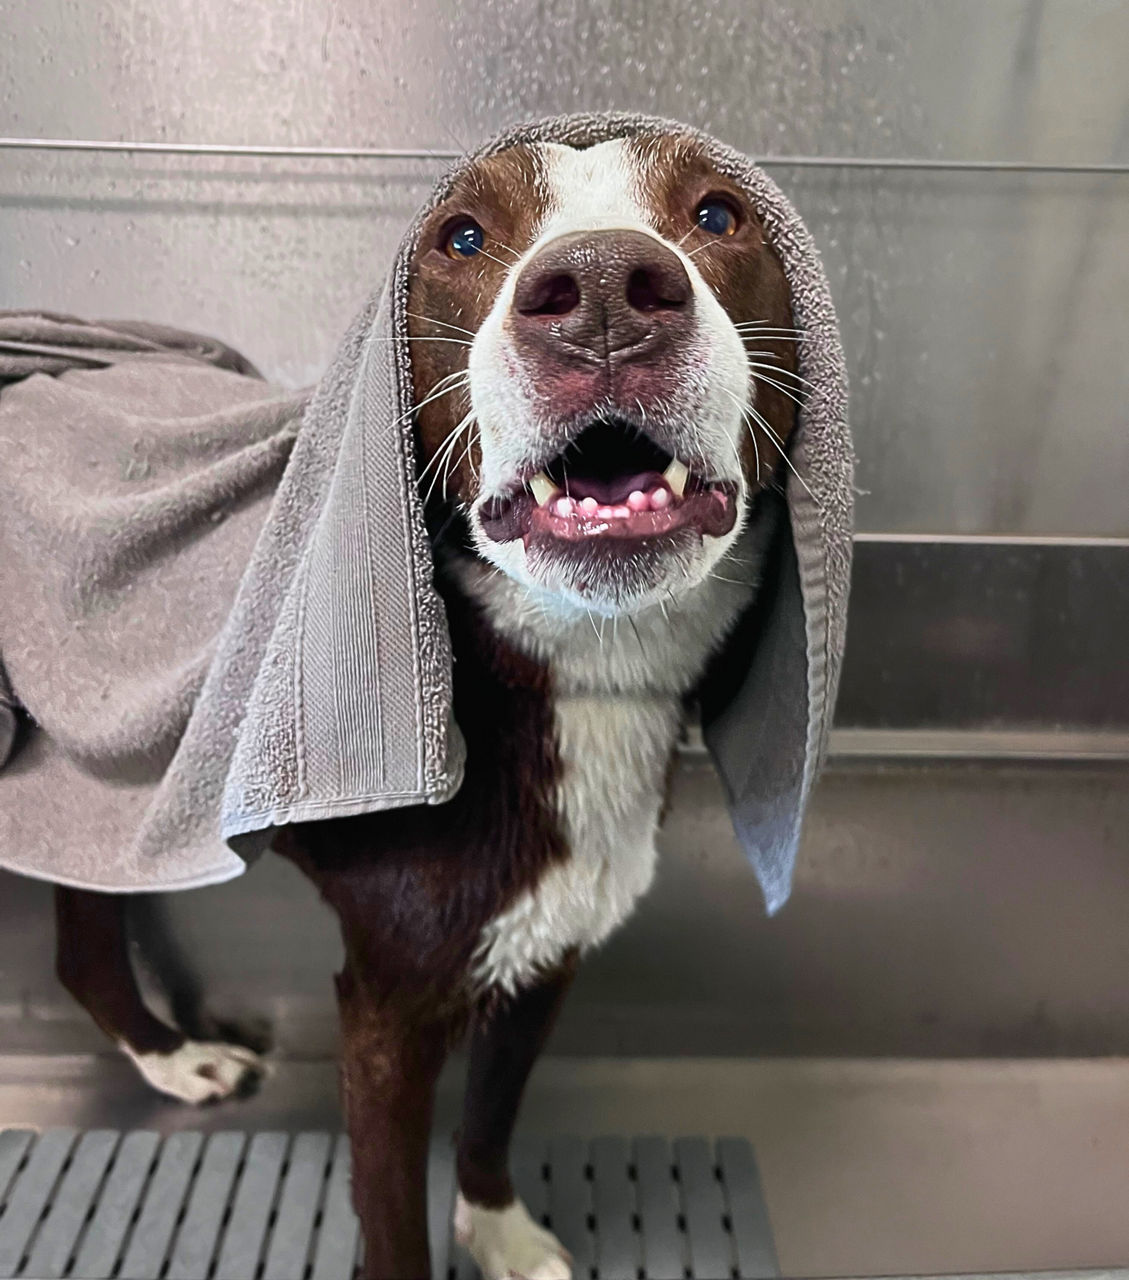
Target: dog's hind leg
x=92, y=961
x=490, y=1221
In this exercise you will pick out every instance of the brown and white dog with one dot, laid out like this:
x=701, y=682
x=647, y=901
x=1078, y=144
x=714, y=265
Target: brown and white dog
x=588, y=329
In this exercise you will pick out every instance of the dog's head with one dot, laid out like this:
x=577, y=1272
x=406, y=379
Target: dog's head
x=604, y=365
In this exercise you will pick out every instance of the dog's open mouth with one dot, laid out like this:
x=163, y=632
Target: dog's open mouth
x=612, y=482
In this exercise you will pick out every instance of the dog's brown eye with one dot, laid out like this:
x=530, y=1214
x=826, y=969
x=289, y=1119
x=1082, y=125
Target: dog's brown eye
x=464, y=239
x=717, y=216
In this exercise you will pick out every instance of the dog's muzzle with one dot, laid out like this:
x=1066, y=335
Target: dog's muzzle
x=595, y=313
x=622, y=456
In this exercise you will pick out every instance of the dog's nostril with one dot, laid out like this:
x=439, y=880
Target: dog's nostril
x=652, y=290
x=554, y=295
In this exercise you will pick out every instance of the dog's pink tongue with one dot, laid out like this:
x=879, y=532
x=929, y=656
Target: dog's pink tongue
x=614, y=491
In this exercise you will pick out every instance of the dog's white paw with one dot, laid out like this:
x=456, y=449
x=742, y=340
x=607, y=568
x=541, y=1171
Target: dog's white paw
x=508, y=1245
x=200, y=1072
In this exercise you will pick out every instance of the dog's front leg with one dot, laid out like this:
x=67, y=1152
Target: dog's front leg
x=490, y=1221
x=392, y=1050
x=94, y=965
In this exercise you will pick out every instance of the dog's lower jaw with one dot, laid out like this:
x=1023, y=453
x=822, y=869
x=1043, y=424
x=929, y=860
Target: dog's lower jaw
x=563, y=587
x=507, y=1244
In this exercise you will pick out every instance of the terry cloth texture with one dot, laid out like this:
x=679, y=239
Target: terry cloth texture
x=137, y=465
x=316, y=681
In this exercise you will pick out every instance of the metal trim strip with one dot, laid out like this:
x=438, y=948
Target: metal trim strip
x=266, y=150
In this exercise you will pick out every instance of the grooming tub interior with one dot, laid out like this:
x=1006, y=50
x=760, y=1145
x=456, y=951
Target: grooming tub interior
x=914, y=1069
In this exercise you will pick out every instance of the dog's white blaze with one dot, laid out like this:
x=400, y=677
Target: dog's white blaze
x=197, y=1072
x=583, y=191
x=507, y=1243
x=594, y=189
x=618, y=711
x=599, y=189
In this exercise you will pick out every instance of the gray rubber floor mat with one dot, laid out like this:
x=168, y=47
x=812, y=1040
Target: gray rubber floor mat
x=103, y=1204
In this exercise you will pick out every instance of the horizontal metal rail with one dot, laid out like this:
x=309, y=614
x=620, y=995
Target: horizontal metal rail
x=1118, y=541
x=110, y=146
x=849, y=745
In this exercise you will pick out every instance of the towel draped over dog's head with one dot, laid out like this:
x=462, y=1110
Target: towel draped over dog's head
x=327, y=691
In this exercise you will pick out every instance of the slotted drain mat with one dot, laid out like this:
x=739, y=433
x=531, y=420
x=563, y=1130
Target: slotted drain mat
x=275, y=1206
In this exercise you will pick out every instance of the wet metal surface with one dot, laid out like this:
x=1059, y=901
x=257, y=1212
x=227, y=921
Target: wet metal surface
x=940, y=909
x=982, y=310
x=868, y=1168
x=984, y=636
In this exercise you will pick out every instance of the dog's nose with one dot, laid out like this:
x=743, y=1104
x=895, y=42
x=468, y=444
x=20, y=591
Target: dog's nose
x=599, y=293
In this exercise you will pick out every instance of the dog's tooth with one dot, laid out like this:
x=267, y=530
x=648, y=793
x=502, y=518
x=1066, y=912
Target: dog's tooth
x=544, y=490
x=676, y=475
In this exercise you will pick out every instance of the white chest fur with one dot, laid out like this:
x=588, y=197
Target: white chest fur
x=618, y=688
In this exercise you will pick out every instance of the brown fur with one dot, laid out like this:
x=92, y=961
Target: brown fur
x=504, y=1046
x=742, y=270
x=93, y=964
x=501, y=195
x=413, y=888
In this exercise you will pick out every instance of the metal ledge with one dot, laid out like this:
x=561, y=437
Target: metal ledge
x=116, y=146
x=1049, y=746
x=1053, y=746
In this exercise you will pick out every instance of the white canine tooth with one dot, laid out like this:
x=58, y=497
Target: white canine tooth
x=676, y=476
x=544, y=490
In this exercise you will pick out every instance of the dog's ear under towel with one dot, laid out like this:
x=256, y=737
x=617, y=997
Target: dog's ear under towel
x=217, y=603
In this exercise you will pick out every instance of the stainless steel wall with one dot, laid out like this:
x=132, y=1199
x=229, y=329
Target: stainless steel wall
x=939, y=910
x=984, y=309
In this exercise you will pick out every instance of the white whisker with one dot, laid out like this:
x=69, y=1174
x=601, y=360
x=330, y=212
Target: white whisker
x=762, y=326
x=460, y=378
x=752, y=434
x=461, y=342
x=443, y=456
x=778, y=370
x=462, y=458
x=499, y=261
x=442, y=324
x=439, y=456
x=784, y=454
x=638, y=637
x=780, y=386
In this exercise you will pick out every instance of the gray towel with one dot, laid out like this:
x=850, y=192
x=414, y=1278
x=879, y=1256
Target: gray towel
x=323, y=689
x=137, y=465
